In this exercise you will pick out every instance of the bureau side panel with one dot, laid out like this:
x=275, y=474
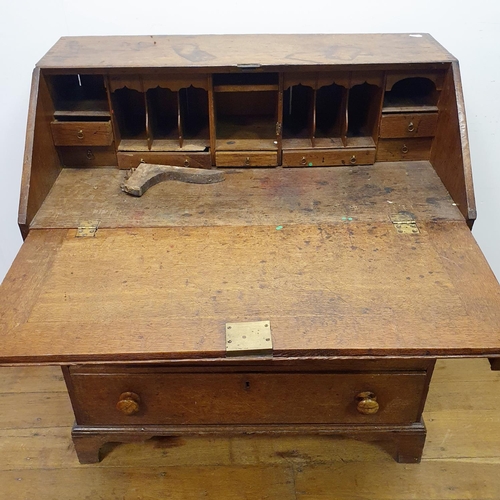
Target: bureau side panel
x=450, y=154
x=41, y=164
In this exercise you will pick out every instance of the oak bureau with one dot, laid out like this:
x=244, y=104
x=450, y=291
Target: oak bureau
x=309, y=290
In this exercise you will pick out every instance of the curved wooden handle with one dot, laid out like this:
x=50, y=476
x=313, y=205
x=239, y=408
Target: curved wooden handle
x=147, y=175
x=128, y=403
x=367, y=403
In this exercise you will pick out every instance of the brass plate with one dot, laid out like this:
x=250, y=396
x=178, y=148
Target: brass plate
x=249, y=338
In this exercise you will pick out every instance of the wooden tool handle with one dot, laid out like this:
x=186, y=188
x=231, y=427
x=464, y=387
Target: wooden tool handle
x=147, y=175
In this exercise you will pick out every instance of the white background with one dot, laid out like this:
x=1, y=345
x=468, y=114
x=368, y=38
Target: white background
x=470, y=30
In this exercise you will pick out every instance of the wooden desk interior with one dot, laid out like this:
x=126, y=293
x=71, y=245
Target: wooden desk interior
x=252, y=197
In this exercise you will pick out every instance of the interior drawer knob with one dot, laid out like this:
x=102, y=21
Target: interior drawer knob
x=128, y=403
x=353, y=159
x=79, y=134
x=367, y=403
x=411, y=127
x=404, y=149
x=247, y=161
x=303, y=161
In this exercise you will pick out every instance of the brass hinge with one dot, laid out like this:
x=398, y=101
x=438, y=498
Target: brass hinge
x=405, y=223
x=249, y=339
x=87, y=229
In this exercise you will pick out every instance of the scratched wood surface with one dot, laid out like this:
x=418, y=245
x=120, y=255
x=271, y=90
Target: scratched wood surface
x=251, y=197
x=344, y=289
x=461, y=457
x=200, y=52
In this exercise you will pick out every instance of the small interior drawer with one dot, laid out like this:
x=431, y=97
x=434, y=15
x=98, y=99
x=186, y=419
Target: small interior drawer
x=247, y=397
x=327, y=158
x=408, y=125
x=128, y=160
x=246, y=159
x=404, y=149
x=82, y=133
x=87, y=156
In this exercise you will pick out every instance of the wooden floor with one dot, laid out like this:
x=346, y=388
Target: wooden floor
x=461, y=457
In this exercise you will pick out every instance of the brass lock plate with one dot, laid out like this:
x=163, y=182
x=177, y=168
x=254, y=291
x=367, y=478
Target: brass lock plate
x=249, y=338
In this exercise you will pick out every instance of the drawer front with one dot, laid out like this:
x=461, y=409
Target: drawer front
x=408, y=125
x=404, y=149
x=328, y=158
x=246, y=159
x=247, y=398
x=87, y=156
x=82, y=133
x=196, y=160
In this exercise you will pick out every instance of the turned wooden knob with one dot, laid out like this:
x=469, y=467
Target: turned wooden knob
x=128, y=403
x=367, y=403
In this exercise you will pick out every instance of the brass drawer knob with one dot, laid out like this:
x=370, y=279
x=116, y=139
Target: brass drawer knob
x=303, y=161
x=247, y=161
x=411, y=127
x=186, y=162
x=353, y=159
x=79, y=134
x=367, y=403
x=128, y=403
x=404, y=149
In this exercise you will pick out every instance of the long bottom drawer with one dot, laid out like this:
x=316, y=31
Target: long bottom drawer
x=247, y=398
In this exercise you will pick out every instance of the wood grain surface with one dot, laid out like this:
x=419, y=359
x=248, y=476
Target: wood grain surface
x=213, y=398
x=408, y=125
x=147, y=175
x=461, y=459
x=41, y=164
x=252, y=197
x=82, y=133
x=451, y=145
x=341, y=289
x=208, y=51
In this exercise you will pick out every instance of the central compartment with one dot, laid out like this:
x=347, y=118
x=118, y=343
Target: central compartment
x=246, y=111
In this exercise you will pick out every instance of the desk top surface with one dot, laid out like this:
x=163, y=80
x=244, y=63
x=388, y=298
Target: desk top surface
x=227, y=51
x=334, y=278
x=351, y=289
